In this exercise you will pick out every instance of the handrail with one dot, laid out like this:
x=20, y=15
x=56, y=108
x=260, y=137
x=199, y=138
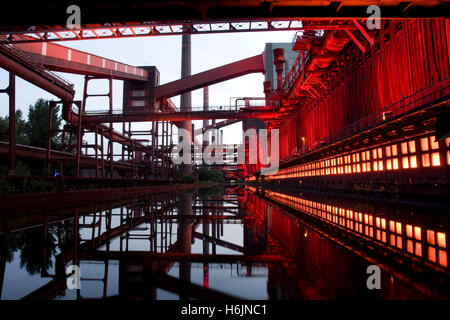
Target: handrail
x=36, y=66
x=383, y=115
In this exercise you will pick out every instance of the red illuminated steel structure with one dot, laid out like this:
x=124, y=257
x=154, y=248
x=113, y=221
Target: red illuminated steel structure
x=352, y=101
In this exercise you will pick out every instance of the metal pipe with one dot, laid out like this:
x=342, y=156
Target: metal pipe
x=33, y=77
x=12, y=121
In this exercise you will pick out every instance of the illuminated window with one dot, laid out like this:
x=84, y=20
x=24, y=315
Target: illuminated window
x=392, y=226
x=398, y=227
x=441, y=239
x=388, y=164
x=388, y=151
x=417, y=233
x=432, y=254
x=418, y=249
x=430, y=237
x=426, y=160
x=409, y=231
x=434, y=144
x=447, y=143
x=412, y=146
x=394, y=149
x=424, y=144
x=435, y=159
x=443, y=258
x=413, y=161
x=404, y=147
x=405, y=163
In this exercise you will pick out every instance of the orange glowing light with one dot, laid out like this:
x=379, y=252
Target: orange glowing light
x=417, y=233
x=399, y=242
x=443, y=258
x=430, y=237
x=418, y=249
x=426, y=160
x=383, y=223
x=405, y=163
x=424, y=144
x=409, y=246
x=392, y=226
x=395, y=163
x=404, y=147
x=434, y=143
x=432, y=254
x=389, y=164
x=412, y=146
x=409, y=232
x=392, y=240
x=394, y=149
x=399, y=227
x=413, y=161
x=441, y=240
x=388, y=151
x=435, y=159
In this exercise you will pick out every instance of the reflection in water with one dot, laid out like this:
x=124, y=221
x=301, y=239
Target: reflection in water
x=227, y=245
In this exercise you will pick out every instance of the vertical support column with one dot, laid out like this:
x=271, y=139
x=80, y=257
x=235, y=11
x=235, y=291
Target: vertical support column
x=186, y=99
x=205, y=139
x=111, y=140
x=79, y=138
x=96, y=151
x=12, y=121
x=153, y=151
x=51, y=106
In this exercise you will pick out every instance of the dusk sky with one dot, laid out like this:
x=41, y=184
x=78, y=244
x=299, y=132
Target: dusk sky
x=164, y=52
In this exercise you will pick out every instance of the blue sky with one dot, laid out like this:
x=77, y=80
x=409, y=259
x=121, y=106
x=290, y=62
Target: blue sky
x=164, y=52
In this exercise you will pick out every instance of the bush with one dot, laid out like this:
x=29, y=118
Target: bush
x=205, y=174
x=187, y=178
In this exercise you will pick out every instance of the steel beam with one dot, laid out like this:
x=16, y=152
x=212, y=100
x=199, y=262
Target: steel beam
x=229, y=71
x=60, y=58
x=254, y=113
x=34, y=73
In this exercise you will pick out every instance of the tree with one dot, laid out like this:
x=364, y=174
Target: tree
x=21, y=137
x=36, y=127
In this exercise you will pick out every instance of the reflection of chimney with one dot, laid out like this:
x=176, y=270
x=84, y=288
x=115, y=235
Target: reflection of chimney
x=278, y=61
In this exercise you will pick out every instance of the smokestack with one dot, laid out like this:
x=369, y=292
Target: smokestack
x=206, y=108
x=278, y=61
x=185, y=99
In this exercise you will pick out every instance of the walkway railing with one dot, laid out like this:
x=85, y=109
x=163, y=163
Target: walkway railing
x=418, y=99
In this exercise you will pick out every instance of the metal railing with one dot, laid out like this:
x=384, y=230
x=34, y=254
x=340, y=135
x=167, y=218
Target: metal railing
x=141, y=110
x=396, y=109
x=296, y=70
x=34, y=65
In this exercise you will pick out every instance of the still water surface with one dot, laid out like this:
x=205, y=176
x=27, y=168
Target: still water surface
x=228, y=245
